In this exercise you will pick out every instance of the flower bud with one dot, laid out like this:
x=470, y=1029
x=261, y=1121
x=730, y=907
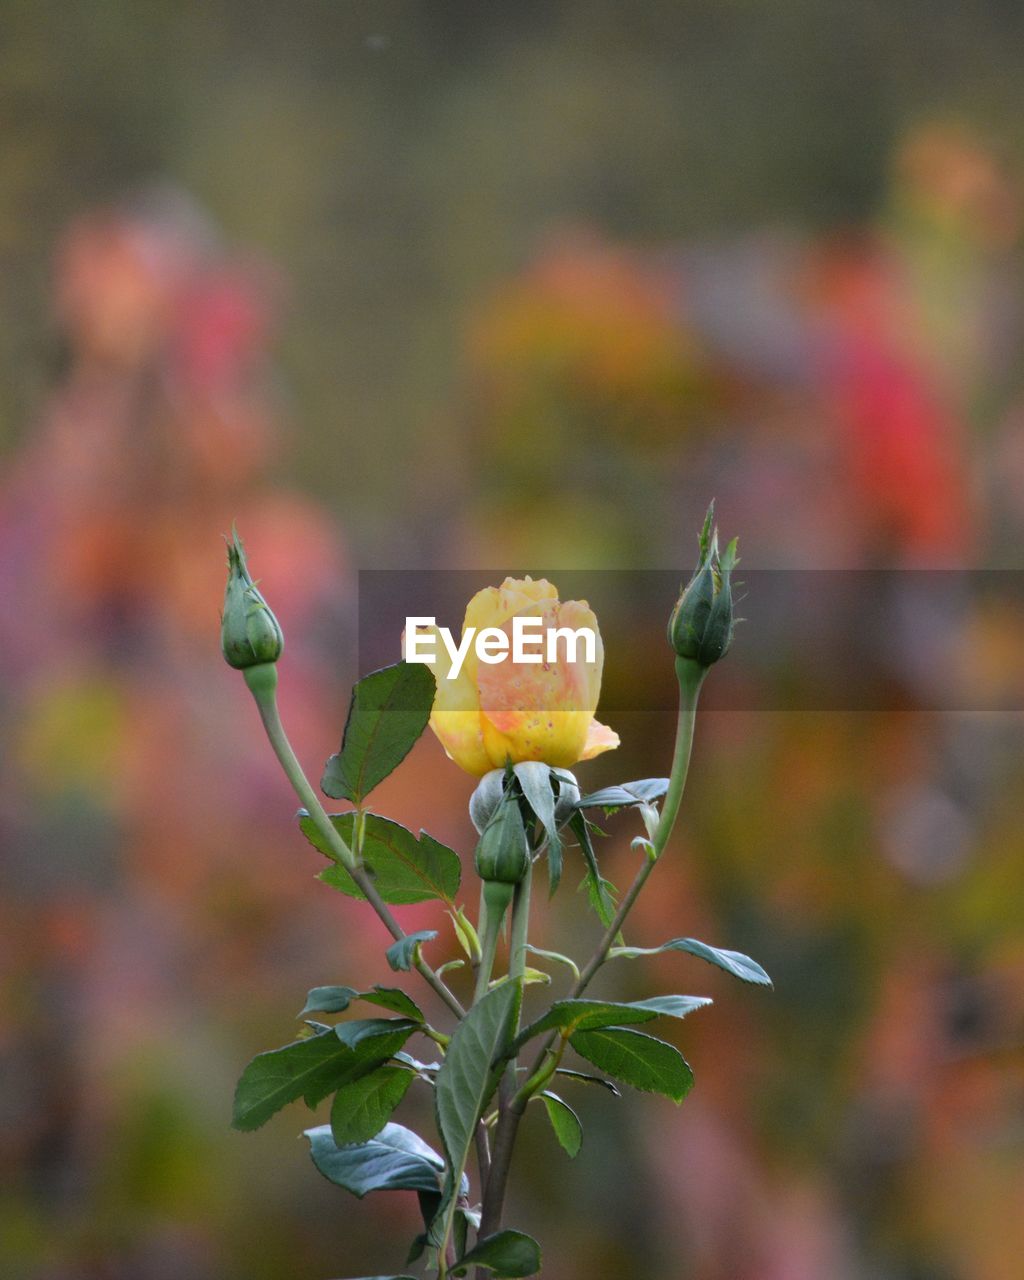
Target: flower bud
x=503, y=851
x=250, y=635
x=701, y=625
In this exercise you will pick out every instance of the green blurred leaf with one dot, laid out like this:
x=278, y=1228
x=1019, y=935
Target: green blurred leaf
x=338, y=999
x=535, y=781
x=395, y=1000
x=395, y=1160
x=328, y=1000
x=427, y=1068
x=586, y=1078
x=463, y=1220
x=644, y=791
x=509, y=1254
x=388, y=712
x=734, y=962
x=362, y=1108
x=401, y=955
x=565, y=1122
x=557, y=958
x=470, y=1073
x=636, y=1059
x=403, y=869
x=587, y=1015
x=465, y=932
x=598, y=889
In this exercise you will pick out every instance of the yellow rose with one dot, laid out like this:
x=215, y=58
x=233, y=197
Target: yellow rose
x=490, y=713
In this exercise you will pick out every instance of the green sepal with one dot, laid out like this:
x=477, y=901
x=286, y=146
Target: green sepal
x=537, y=785
x=643, y=791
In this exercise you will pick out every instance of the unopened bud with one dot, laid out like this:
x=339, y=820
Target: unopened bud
x=503, y=851
x=701, y=626
x=250, y=635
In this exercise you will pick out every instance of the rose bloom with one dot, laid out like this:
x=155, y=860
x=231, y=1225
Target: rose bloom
x=507, y=711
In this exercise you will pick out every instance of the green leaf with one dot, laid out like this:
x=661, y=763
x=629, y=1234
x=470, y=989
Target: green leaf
x=312, y=1068
x=401, y=955
x=463, y=1220
x=570, y=1016
x=509, y=1254
x=307, y=1069
x=419, y=1245
x=734, y=962
x=395, y=1160
x=557, y=958
x=535, y=781
x=375, y=1038
x=361, y=1109
x=598, y=889
x=470, y=1073
x=338, y=999
x=395, y=1000
x=586, y=1078
x=328, y=1000
x=403, y=869
x=636, y=1059
x=388, y=712
x=565, y=1122
x=426, y=1068
x=644, y=791
x=465, y=932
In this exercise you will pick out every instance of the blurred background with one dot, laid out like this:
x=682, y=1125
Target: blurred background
x=471, y=285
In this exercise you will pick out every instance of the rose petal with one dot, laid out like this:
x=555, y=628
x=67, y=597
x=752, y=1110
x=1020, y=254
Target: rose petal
x=599, y=738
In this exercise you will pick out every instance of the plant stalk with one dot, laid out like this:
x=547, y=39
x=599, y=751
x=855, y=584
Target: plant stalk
x=690, y=676
x=264, y=691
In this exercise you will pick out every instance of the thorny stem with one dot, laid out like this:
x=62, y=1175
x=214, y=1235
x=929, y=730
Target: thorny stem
x=505, y=1134
x=264, y=690
x=691, y=677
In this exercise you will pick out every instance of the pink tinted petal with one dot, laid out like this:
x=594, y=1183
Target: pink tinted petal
x=599, y=738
